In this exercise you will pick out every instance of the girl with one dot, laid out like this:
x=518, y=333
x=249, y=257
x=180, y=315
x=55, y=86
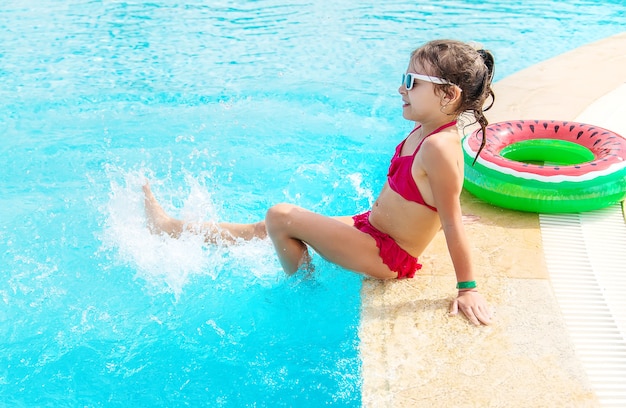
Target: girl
x=444, y=80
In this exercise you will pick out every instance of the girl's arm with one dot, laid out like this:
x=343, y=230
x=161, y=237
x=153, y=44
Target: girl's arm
x=446, y=181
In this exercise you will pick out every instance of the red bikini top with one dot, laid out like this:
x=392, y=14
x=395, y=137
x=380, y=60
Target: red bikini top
x=401, y=179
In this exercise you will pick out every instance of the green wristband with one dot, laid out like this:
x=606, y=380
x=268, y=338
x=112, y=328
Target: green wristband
x=466, y=285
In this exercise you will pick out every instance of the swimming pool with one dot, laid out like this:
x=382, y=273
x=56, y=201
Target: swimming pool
x=228, y=107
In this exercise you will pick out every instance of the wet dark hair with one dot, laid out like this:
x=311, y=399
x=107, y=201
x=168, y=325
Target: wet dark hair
x=466, y=67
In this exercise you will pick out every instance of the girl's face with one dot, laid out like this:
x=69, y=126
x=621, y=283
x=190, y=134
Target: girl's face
x=420, y=102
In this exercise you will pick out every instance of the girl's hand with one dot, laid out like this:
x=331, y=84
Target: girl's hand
x=474, y=307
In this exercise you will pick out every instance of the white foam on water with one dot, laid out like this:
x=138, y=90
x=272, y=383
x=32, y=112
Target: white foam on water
x=167, y=264
x=356, y=180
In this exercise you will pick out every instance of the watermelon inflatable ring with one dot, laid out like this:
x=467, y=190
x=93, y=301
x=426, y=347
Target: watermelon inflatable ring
x=546, y=166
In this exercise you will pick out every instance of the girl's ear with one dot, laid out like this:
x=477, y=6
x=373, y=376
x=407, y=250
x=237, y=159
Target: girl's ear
x=451, y=95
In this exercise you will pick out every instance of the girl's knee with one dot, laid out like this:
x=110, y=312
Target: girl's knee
x=282, y=219
x=278, y=215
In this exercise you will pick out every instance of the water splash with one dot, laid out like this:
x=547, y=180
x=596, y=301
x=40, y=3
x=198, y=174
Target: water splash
x=356, y=180
x=168, y=264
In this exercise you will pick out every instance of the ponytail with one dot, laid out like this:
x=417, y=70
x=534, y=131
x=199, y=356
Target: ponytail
x=486, y=91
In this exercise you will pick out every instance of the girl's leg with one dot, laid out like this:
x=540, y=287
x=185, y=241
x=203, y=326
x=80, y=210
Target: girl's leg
x=289, y=227
x=160, y=222
x=334, y=238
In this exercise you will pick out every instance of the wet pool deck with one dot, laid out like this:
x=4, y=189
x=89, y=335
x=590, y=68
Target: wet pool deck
x=415, y=355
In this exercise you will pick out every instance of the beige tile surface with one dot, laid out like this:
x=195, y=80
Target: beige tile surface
x=564, y=86
x=426, y=358
x=415, y=355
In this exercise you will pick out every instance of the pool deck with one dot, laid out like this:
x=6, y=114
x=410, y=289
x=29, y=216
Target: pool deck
x=416, y=355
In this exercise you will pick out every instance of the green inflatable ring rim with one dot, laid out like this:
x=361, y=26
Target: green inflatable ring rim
x=543, y=188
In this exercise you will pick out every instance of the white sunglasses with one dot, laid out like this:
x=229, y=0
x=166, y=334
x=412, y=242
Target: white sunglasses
x=409, y=78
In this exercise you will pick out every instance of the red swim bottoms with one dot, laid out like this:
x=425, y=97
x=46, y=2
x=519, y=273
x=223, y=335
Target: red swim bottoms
x=396, y=258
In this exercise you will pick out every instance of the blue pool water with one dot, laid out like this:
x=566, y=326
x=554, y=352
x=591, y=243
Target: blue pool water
x=227, y=107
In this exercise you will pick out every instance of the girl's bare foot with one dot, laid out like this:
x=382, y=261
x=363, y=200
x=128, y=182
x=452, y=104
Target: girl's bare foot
x=158, y=220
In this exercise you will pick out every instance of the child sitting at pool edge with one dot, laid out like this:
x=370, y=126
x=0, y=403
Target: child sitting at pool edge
x=444, y=80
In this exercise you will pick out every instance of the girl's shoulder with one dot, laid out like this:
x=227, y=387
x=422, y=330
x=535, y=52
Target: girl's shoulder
x=443, y=140
x=442, y=149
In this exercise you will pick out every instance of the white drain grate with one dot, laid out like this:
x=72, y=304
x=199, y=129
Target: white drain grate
x=586, y=259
